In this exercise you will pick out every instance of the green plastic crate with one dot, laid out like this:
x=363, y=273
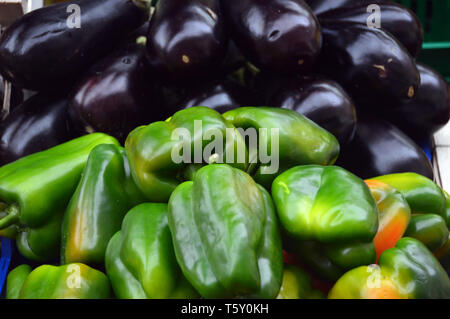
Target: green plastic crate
x=434, y=15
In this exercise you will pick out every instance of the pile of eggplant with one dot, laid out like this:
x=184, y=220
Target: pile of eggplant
x=129, y=63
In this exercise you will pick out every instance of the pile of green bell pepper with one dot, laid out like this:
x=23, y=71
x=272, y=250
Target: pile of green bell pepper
x=35, y=191
x=154, y=219
x=150, y=148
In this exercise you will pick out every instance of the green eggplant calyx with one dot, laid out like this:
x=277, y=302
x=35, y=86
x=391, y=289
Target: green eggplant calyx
x=11, y=217
x=142, y=40
x=144, y=4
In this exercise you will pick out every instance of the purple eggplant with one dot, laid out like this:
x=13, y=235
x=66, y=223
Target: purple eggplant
x=275, y=35
x=39, y=123
x=398, y=20
x=428, y=111
x=380, y=148
x=323, y=101
x=47, y=47
x=321, y=6
x=117, y=94
x=222, y=96
x=373, y=67
x=186, y=38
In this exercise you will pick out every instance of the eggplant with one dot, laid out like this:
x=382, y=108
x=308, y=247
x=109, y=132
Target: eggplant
x=16, y=98
x=398, y=20
x=275, y=35
x=40, y=51
x=380, y=148
x=428, y=111
x=222, y=96
x=117, y=94
x=321, y=6
x=39, y=123
x=373, y=67
x=323, y=101
x=186, y=38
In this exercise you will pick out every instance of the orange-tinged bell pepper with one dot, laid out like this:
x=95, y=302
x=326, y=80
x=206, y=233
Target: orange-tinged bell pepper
x=394, y=215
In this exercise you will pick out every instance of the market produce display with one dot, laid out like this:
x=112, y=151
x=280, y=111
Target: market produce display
x=221, y=149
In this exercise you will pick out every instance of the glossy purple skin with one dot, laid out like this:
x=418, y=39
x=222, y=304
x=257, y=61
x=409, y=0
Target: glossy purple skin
x=116, y=95
x=16, y=95
x=222, y=97
x=39, y=123
x=321, y=6
x=373, y=67
x=275, y=35
x=428, y=111
x=186, y=38
x=40, y=52
x=380, y=148
x=323, y=101
x=398, y=20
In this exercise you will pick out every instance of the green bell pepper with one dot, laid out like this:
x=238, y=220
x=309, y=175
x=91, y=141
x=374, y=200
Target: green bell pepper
x=394, y=215
x=329, y=218
x=407, y=271
x=140, y=260
x=430, y=229
x=15, y=280
x=72, y=281
x=151, y=149
x=35, y=190
x=297, y=285
x=446, y=214
x=443, y=255
x=225, y=233
x=421, y=193
x=95, y=212
x=300, y=141
x=428, y=205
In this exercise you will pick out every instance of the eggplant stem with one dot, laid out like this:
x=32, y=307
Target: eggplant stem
x=145, y=4
x=142, y=40
x=12, y=216
x=6, y=100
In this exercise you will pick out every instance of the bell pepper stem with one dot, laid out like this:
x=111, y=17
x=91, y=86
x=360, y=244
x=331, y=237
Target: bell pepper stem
x=12, y=215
